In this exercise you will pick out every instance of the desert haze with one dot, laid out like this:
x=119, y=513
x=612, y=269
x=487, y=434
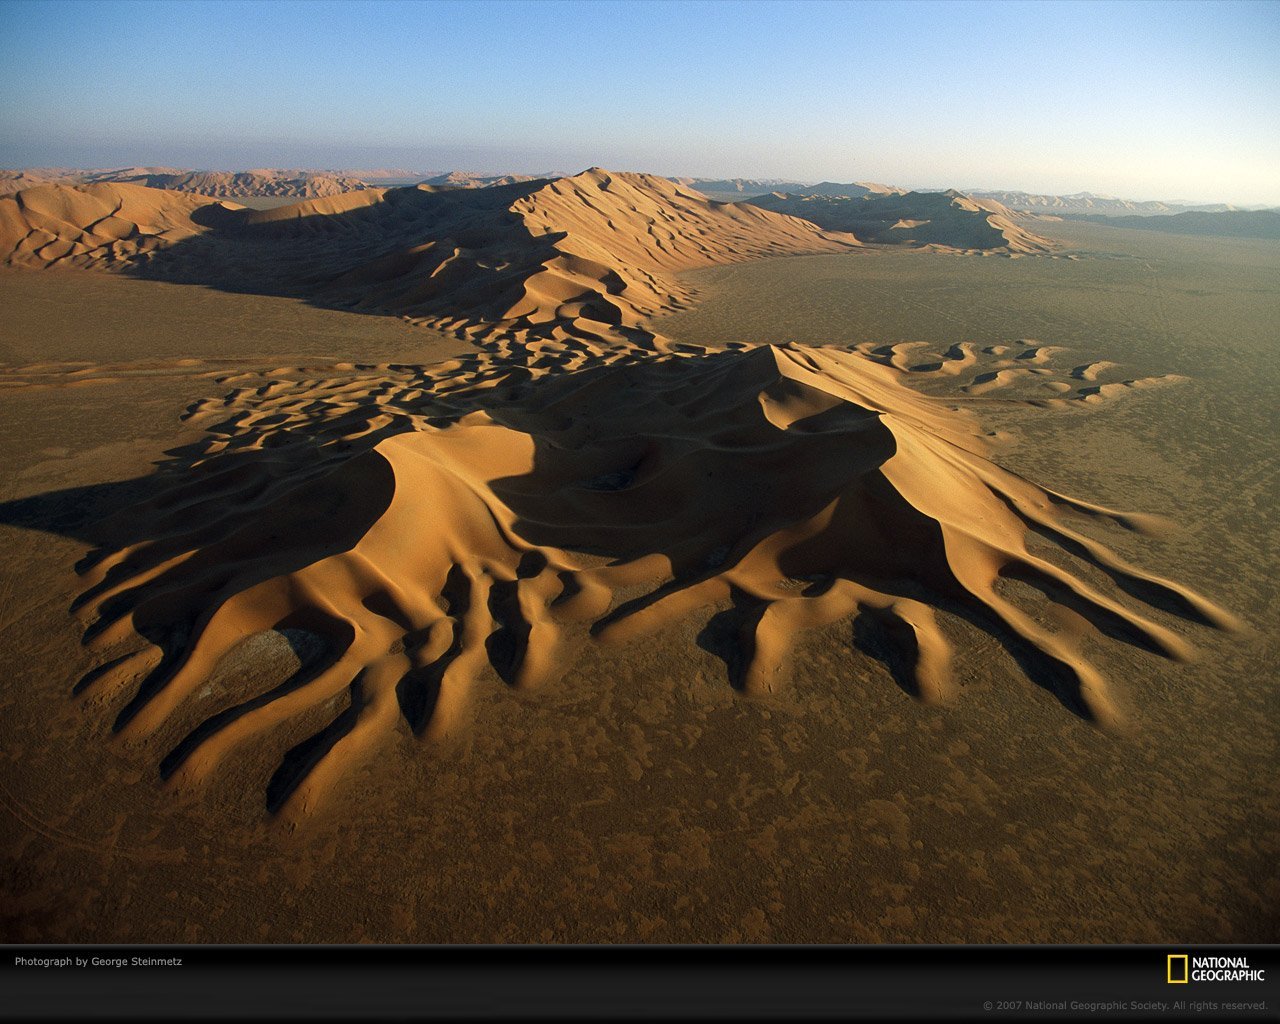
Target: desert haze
x=589, y=558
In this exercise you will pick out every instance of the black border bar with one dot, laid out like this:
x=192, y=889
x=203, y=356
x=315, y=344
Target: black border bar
x=892, y=983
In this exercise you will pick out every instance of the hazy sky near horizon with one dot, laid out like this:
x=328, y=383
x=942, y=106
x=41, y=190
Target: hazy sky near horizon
x=1142, y=100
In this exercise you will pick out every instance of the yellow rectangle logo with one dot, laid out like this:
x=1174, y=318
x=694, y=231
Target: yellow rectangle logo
x=1182, y=974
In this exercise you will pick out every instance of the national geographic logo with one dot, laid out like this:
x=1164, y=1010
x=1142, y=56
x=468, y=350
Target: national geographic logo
x=1183, y=968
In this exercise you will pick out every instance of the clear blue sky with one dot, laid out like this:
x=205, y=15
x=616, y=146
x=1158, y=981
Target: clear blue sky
x=1143, y=100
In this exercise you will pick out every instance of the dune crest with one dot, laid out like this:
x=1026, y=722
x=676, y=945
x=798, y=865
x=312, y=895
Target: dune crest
x=422, y=525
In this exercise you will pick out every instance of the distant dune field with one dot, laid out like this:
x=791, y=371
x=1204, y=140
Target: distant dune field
x=223, y=184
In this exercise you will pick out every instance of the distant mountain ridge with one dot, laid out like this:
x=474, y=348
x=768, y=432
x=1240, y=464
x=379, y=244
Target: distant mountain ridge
x=471, y=179
x=1224, y=223
x=1087, y=202
x=737, y=186
x=745, y=188
x=947, y=220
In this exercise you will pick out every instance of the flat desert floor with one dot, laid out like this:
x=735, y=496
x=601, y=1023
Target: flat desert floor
x=641, y=797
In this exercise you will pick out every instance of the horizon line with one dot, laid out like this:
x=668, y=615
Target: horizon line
x=490, y=173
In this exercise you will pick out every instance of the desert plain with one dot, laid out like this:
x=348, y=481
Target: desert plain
x=586, y=561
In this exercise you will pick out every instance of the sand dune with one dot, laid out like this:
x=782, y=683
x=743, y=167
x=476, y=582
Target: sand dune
x=30, y=177
x=1022, y=374
x=943, y=220
x=496, y=511
x=593, y=252
x=93, y=225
